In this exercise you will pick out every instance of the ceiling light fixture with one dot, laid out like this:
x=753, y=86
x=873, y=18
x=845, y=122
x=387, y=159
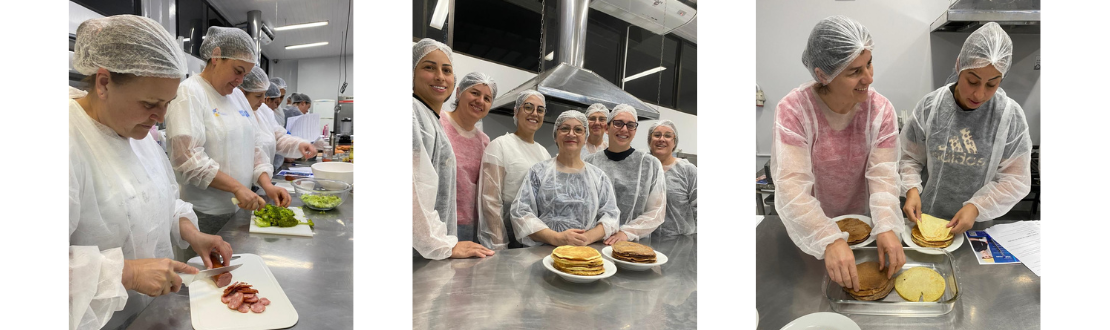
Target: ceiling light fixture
x=307, y=45
x=440, y=15
x=300, y=26
x=641, y=74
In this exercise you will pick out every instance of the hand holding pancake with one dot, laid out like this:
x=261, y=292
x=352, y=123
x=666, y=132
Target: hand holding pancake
x=912, y=209
x=964, y=219
x=841, y=264
x=890, y=249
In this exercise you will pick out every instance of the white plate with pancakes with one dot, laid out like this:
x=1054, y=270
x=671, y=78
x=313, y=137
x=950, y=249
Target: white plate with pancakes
x=660, y=259
x=610, y=269
x=865, y=219
x=957, y=241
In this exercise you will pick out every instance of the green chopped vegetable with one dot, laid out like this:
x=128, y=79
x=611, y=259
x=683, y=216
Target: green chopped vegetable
x=272, y=215
x=321, y=201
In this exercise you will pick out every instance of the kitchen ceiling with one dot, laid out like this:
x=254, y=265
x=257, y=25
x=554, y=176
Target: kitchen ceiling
x=278, y=13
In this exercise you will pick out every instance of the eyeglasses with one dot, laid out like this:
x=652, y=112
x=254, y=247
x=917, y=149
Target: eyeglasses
x=530, y=108
x=621, y=124
x=667, y=136
x=578, y=130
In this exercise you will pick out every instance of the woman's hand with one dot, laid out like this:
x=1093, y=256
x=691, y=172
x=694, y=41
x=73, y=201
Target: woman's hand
x=468, y=249
x=208, y=247
x=912, y=209
x=890, y=247
x=307, y=150
x=841, y=264
x=154, y=277
x=278, y=194
x=575, y=237
x=619, y=236
x=964, y=219
x=248, y=200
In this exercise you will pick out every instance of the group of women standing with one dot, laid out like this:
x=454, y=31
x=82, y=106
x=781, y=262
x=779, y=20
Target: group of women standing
x=963, y=153
x=473, y=196
x=131, y=205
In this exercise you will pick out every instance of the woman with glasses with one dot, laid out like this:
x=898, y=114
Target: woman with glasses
x=564, y=200
x=638, y=178
x=506, y=161
x=596, y=114
x=835, y=151
x=682, y=181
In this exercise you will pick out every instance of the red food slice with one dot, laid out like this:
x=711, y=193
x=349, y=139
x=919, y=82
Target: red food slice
x=264, y=301
x=235, y=301
x=244, y=308
x=258, y=308
x=222, y=279
x=225, y=299
x=250, y=300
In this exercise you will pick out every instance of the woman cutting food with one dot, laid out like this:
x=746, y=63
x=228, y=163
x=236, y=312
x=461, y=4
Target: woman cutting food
x=125, y=217
x=564, y=200
x=506, y=161
x=682, y=181
x=971, y=138
x=214, y=146
x=472, y=102
x=434, y=221
x=834, y=152
x=275, y=141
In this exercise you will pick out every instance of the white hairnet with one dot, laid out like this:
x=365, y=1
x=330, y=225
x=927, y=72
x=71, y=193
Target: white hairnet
x=298, y=97
x=255, y=81
x=621, y=108
x=667, y=123
x=524, y=96
x=425, y=46
x=682, y=200
x=234, y=44
x=504, y=164
x=273, y=91
x=559, y=198
x=989, y=45
x=597, y=107
x=279, y=82
x=127, y=44
x=571, y=114
x=472, y=79
x=834, y=43
x=640, y=189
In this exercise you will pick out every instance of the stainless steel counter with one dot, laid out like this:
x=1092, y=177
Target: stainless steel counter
x=788, y=286
x=513, y=290
x=316, y=273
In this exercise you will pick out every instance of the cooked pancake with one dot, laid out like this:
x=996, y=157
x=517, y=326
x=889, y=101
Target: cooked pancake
x=573, y=263
x=917, y=238
x=920, y=283
x=933, y=229
x=874, y=284
x=633, y=252
x=582, y=272
x=578, y=260
x=872, y=295
x=858, y=231
x=575, y=253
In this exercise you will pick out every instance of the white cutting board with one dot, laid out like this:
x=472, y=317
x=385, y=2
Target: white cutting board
x=209, y=313
x=298, y=230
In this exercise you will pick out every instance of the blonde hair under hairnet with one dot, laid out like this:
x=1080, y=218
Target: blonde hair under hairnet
x=834, y=43
x=234, y=44
x=127, y=44
x=255, y=81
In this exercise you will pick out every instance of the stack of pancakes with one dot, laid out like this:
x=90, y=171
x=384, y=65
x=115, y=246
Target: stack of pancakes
x=874, y=284
x=920, y=283
x=633, y=252
x=578, y=260
x=858, y=231
x=931, y=232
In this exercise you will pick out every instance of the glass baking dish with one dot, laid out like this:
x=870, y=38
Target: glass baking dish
x=893, y=304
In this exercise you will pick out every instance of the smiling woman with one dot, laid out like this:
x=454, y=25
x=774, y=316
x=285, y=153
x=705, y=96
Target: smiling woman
x=472, y=103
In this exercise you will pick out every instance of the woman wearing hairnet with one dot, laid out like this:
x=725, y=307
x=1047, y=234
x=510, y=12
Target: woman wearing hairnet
x=274, y=102
x=682, y=181
x=472, y=102
x=125, y=217
x=638, y=178
x=834, y=152
x=564, y=200
x=597, y=114
x=276, y=141
x=971, y=138
x=292, y=109
x=214, y=146
x=506, y=161
x=434, y=221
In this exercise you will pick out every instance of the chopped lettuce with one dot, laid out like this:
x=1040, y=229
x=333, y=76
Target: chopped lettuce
x=321, y=201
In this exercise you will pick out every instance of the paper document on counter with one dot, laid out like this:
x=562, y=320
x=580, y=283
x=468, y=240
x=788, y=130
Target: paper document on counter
x=1023, y=240
x=987, y=251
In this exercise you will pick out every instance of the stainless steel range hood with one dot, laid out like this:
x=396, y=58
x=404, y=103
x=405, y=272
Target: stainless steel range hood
x=568, y=86
x=1015, y=16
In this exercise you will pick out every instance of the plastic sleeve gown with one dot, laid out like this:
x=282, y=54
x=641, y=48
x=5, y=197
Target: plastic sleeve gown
x=434, y=223
x=589, y=149
x=827, y=165
x=209, y=132
x=560, y=198
x=284, y=144
x=505, y=163
x=682, y=200
x=123, y=204
x=641, y=190
x=469, y=147
x=978, y=157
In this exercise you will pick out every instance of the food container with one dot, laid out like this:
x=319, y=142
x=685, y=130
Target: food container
x=321, y=194
x=339, y=171
x=893, y=304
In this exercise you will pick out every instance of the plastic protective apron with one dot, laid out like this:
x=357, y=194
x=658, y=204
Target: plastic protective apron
x=127, y=182
x=632, y=178
x=960, y=152
x=839, y=162
x=682, y=197
x=560, y=200
x=428, y=134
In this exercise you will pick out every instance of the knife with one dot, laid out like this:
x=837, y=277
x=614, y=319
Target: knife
x=209, y=272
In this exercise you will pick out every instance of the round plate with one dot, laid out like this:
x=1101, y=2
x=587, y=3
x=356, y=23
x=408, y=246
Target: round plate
x=865, y=219
x=660, y=259
x=822, y=320
x=907, y=238
x=610, y=269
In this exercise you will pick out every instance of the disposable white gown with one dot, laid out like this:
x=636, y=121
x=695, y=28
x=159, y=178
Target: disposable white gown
x=641, y=190
x=434, y=222
x=827, y=165
x=589, y=149
x=559, y=198
x=505, y=163
x=209, y=132
x=682, y=199
x=978, y=157
x=123, y=204
x=284, y=144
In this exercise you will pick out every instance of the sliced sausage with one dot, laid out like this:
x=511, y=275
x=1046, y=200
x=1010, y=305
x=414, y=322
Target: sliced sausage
x=258, y=308
x=250, y=300
x=264, y=301
x=222, y=280
x=236, y=301
x=244, y=308
x=225, y=299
